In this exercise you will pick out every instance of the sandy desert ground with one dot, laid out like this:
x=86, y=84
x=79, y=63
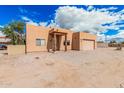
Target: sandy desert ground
x=95, y=69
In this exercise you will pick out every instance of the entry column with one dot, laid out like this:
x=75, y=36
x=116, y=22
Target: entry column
x=65, y=42
x=54, y=42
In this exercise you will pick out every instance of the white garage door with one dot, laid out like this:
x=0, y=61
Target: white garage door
x=87, y=45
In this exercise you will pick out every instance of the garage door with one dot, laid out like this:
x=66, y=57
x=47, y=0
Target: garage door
x=87, y=45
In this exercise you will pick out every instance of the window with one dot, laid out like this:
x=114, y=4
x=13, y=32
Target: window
x=40, y=42
x=68, y=42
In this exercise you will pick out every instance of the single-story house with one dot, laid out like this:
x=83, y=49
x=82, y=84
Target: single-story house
x=39, y=38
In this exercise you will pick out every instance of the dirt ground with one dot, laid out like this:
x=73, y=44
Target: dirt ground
x=99, y=68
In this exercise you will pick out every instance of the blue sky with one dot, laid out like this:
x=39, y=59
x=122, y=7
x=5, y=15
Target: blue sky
x=35, y=12
x=101, y=19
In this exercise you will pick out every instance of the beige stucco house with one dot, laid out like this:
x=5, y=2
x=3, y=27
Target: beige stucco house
x=39, y=38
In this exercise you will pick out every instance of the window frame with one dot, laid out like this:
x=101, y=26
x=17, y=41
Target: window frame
x=40, y=42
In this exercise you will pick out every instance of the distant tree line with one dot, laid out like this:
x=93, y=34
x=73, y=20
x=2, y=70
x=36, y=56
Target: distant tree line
x=113, y=43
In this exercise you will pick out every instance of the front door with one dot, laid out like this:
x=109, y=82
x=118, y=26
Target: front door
x=58, y=42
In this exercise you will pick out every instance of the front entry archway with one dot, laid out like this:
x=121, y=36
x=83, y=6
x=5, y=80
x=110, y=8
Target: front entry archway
x=56, y=40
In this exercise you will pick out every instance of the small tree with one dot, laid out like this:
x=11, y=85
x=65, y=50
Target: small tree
x=15, y=31
x=111, y=42
x=100, y=42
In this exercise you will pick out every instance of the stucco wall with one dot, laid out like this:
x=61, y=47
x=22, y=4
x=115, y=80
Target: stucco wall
x=79, y=36
x=39, y=32
x=75, y=41
x=15, y=49
x=34, y=32
x=84, y=35
x=69, y=37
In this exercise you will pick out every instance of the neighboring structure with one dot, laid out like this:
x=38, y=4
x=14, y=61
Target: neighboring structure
x=4, y=39
x=102, y=45
x=40, y=38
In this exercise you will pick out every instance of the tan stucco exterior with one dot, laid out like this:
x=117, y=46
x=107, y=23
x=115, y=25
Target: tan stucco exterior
x=15, y=49
x=40, y=32
x=32, y=33
x=80, y=37
x=75, y=41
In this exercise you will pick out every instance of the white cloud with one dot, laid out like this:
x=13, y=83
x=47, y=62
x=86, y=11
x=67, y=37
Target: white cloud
x=78, y=19
x=107, y=9
x=25, y=11
x=1, y=26
x=22, y=10
x=112, y=8
x=52, y=24
x=43, y=23
x=90, y=8
x=25, y=18
x=1, y=34
x=100, y=37
x=103, y=37
x=91, y=19
x=118, y=35
x=29, y=21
